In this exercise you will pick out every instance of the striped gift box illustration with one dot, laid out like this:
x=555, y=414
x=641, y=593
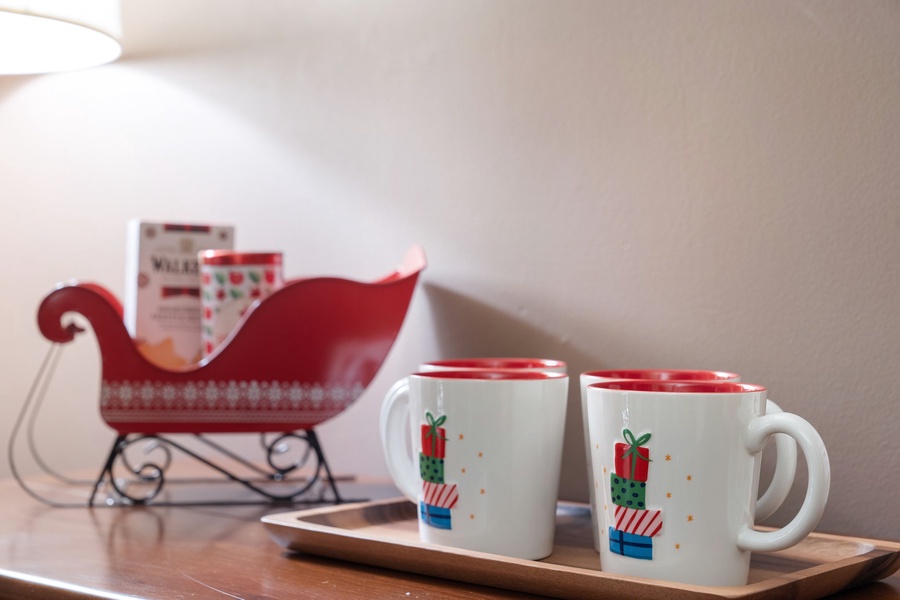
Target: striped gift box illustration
x=442, y=495
x=645, y=523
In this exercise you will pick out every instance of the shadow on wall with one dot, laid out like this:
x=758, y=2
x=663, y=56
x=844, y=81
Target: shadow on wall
x=465, y=327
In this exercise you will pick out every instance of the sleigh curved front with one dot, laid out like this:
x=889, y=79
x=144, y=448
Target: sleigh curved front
x=296, y=359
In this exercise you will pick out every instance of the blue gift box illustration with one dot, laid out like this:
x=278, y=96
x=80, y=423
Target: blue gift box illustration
x=435, y=516
x=631, y=545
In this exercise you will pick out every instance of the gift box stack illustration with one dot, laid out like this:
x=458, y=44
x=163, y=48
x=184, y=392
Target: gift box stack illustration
x=438, y=497
x=633, y=525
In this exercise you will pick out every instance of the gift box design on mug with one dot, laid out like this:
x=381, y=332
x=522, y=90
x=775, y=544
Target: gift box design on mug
x=628, y=544
x=434, y=437
x=438, y=496
x=632, y=458
x=627, y=493
x=435, y=516
x=646, y=523
x=441, y=495
x=431, y=468
x=633, y=524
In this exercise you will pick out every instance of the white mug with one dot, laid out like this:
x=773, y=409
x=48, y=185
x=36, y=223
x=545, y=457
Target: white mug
x=489, y=452
x=786, y=448
x=478, y=364
x=676, y=471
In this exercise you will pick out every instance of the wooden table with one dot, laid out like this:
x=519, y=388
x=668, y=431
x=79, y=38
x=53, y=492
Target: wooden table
x=201, y=552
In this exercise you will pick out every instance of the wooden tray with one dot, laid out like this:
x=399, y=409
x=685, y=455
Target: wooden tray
x=385, y=534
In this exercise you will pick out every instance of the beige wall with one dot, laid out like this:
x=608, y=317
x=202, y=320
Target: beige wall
x=617, y=184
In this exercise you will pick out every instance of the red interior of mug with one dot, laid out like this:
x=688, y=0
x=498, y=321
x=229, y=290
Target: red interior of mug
x=498, y=374
x=680, y=387
x=498, y=363
x=665, y=374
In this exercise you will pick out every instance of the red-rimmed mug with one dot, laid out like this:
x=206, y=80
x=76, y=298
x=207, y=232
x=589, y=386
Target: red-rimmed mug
x=786, y=448
x=676, y=469
x=487, y=452
x=494, y=363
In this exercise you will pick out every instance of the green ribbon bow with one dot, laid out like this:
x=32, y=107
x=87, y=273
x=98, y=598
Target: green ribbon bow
x=633, y=448
x=433, y=432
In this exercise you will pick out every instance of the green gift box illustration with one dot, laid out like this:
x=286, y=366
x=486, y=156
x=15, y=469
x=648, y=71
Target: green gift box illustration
x=627, y=492
x=431, y=468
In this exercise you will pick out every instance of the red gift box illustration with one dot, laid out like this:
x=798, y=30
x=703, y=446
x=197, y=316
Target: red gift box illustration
x=433, y=436
x=632, y=459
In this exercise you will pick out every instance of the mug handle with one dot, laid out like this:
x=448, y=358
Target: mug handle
x=806, y=519
x=785, y=469
x=393, y=423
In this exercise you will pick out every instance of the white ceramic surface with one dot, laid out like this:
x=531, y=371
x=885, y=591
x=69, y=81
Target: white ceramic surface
x=501, y=456
x=702, y=442
x=785, y=470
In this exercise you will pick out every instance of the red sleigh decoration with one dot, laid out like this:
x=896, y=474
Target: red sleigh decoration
x=296, y=359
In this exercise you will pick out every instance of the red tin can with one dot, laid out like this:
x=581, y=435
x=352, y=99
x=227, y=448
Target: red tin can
x=230, y=282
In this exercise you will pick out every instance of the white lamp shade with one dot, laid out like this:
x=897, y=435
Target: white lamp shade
x=43, y=36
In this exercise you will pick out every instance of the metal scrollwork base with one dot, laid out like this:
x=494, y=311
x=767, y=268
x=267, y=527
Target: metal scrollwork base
x=135, y=472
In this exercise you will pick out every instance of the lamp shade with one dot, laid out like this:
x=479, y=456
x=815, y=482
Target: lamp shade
x=43, y=36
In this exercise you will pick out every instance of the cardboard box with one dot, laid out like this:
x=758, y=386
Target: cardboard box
x=162, y=287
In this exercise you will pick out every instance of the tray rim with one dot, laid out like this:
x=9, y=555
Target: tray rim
x=296, y=521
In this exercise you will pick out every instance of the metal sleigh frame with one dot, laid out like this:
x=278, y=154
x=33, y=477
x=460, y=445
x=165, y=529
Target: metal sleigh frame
x=296, y=359
x=150, y=477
